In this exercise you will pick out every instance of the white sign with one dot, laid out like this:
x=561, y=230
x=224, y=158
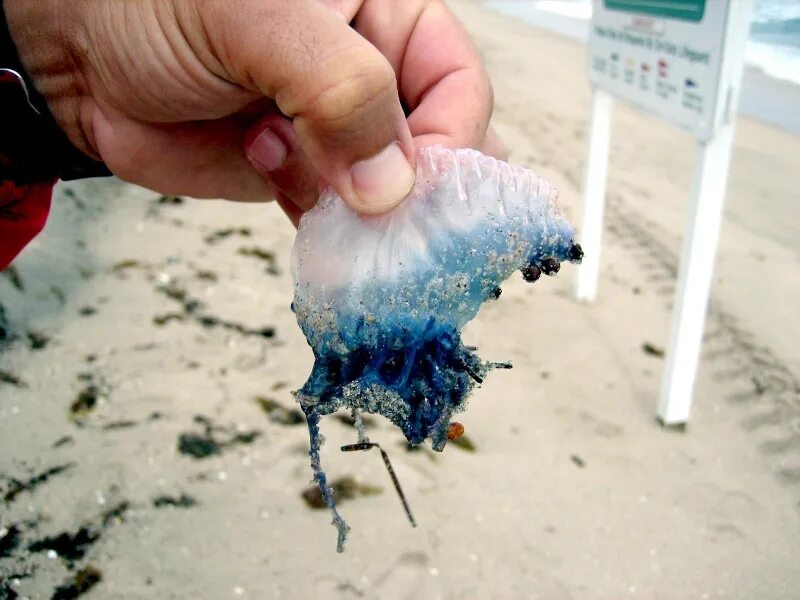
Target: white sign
x=664, y=56
x=682, y=60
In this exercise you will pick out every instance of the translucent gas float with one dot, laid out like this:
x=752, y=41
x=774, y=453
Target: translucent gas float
x=382, y=299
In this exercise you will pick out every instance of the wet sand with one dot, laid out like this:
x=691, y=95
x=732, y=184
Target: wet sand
x=149, y=447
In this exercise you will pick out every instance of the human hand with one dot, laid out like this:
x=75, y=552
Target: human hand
x=174, y=95
x=441, y=81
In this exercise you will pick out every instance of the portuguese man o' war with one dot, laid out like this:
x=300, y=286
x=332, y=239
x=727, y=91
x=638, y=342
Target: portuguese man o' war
x=382, y=299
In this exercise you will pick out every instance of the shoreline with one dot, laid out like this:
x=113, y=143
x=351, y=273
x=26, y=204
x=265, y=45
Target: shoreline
x=763, y=97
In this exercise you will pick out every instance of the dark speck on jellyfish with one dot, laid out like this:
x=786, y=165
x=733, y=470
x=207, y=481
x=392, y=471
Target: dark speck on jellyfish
x=382, y=299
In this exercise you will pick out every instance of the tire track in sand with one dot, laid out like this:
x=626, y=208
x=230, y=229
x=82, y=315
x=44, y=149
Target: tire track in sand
x=758, y=382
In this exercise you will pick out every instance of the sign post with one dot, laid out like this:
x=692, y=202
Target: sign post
x=682, y=60
x=594, y=194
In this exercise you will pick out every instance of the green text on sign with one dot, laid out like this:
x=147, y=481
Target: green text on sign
x=686, y=10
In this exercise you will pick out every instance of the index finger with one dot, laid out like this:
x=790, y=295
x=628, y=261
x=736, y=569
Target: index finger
x=441, y=77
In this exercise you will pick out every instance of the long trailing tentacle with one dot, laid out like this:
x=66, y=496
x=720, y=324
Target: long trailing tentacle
x=312, y=418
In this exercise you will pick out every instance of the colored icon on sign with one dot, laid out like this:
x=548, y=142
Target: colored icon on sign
x=663, y=68
x=630, y=63
x=645, y=68
x=689, y=83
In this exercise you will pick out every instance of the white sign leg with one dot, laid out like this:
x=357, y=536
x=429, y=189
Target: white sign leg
x=697, y=267
x=594, y=195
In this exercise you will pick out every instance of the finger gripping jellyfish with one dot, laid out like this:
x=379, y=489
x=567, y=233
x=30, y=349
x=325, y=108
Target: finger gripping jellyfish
x=382, y=299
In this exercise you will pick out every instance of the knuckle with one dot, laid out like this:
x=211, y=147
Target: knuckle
x=362, y=87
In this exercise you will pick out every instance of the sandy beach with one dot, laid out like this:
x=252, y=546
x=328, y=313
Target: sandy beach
x=156, y=451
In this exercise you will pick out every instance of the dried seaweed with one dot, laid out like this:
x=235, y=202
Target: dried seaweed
x=206, y=275
x=16, y=486
x=63, y=441
x=72, y=546
x=191, y=309
x=5, y=327
x=652, y=350
x=344, y=488
x=123, y=424
x=84, y=403
x=123, y=266
x=213, y=440
x=278, y=413
x=221, y=234
x=10, y=538
x=37, y=340
x=165, y=318
x=262, y=254
x=182, y=501
x=78, y=584
x=11, y=379
x=198, y=445
x=12, y=273
x=465, y=443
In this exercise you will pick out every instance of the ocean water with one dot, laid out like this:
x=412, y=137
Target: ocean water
x=773, y=48
x=774, y=45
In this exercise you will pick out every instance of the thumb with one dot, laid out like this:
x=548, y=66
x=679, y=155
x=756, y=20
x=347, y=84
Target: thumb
x=339, y=90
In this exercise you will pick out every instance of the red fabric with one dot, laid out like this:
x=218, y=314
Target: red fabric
x=23, y=213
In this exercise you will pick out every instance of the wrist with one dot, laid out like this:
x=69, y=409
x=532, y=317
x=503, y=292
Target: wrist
x=34, y=146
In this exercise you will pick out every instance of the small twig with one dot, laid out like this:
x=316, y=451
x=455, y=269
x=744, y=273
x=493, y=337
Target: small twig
x=387, y=462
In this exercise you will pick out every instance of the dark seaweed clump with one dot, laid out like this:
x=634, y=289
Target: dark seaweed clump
x=277, y=413
x=182, y=501
x=85, y=402
x=213, y=440
x=191, y=310
x=37, y=340
x=14, y=277
x=17, y=486
x=78, y=584
x=9, y=540
x=425, y=368
x=11, y=379
x=221, y=234
x=72, y=546
x=652, y=350
x=344, y=488
x=267, y=256
x=465, y=443
x=198, y=445
x=7, y=591
x=5, y=328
